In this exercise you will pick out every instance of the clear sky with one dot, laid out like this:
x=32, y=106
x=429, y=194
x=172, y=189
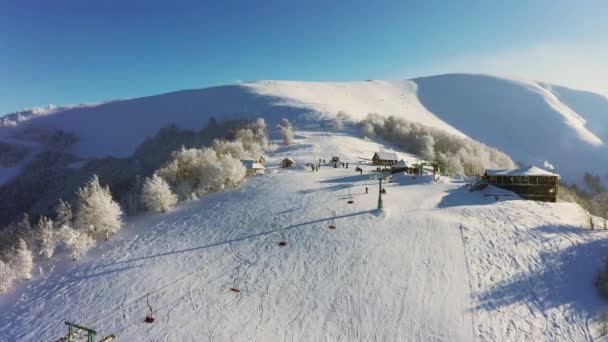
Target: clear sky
x=79, y=51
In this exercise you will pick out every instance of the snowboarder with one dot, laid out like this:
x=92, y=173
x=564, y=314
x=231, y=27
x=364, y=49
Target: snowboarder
x=366, y=190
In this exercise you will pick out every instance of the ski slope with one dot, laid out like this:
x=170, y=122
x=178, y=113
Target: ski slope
x=531, y=121
x=438, y=264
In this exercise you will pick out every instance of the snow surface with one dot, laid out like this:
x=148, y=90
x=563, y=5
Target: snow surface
x=530, y=121
x=439, y=264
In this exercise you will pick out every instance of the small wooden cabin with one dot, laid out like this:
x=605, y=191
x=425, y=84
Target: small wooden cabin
x=531, y=183
x=253, y=167
x=384, y=158
x=287, y=162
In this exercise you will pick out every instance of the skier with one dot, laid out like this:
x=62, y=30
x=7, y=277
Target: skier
x=366, y=190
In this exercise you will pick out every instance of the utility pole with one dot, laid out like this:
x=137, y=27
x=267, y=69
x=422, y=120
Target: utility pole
x=380, y=206
x=380, y=176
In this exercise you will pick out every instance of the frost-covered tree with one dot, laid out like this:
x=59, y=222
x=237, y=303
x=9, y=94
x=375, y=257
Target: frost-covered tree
x=599, y=205
x=96, y=212
x=368, y=130
x=63, y=214
x=7, y=276
x=24, y=230
x=131, y=200
x=194, y=172
x=286, y=131
x=460, y=154
x=78, y=243
x=23, y=261
x=157, y=195
x=233, y=148
x=44, y=237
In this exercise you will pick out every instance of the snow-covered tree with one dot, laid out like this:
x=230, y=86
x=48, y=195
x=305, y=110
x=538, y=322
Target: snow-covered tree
x=7, y=276
x=23, y=261
x=24, y=229
x=157, y=195
x=460, y=153
x=336, y=123
x=368, y=130
x=194, y=172
x=599, y=205
x=96, y=212
x=78, y=243
x=63, y=212
x=233, y=148
x=286, y=131
x=44, y=237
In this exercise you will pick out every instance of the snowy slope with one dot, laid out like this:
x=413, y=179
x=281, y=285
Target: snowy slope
x=531, y=121
x=439, y=264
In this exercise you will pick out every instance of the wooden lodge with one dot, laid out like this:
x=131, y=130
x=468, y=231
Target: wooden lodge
x=384, y=158
x=531, y=183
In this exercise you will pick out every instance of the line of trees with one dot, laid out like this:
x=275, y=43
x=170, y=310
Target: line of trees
x=463, y=156
x=97, y=216
x=188, y=174
x=592, y=197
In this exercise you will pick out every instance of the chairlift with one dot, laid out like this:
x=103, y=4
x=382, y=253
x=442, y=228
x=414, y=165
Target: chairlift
x=332, y=223
x=234, y=288
x=150, y=316
x=283, y=242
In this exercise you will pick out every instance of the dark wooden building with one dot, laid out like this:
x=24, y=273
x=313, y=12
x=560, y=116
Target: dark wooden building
x=531, y=183
x=384, y=158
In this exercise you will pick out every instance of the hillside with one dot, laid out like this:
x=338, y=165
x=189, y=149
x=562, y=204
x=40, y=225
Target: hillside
x=530, y=121
x=439, y=264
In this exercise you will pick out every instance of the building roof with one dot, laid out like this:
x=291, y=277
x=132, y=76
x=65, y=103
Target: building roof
x=253, y=165
x=401, y=163
x=525, y=171
x=290, y=159
x=387, y=156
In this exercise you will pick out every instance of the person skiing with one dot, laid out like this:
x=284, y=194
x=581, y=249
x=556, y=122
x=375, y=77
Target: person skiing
x=366, y=190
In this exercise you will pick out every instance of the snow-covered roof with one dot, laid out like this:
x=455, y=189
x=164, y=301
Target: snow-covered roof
x=525, y=171
x=290, y=159
x=387, y=156
x=401, y=163
x=252, y=164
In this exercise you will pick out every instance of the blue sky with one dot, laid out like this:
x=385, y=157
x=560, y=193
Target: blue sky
x=78, y=51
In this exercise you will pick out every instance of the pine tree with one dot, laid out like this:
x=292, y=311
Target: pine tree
x=97, y=212
x=44, y=237
x=6, y=276
x=23, y=261
x=63, y=212
x=157, y=195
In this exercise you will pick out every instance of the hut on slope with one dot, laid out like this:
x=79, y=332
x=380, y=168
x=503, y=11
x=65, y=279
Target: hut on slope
x=384, y=158
x=253, y=167
x=531, y=182
x=287, y=162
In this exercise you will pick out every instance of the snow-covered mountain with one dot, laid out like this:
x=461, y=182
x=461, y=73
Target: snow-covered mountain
x=440, y=263
x=531, y=121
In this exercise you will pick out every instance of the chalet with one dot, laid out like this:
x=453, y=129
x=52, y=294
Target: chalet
x=384, y=158
x=403, y=166
x=253, y=167
x=530, y=182
x=287, y=162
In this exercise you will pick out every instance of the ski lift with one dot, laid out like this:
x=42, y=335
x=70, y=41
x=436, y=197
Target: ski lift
x=332, y=223
x=234, y=288
x=79, y=333
x=150, y=316
x=283, y=242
